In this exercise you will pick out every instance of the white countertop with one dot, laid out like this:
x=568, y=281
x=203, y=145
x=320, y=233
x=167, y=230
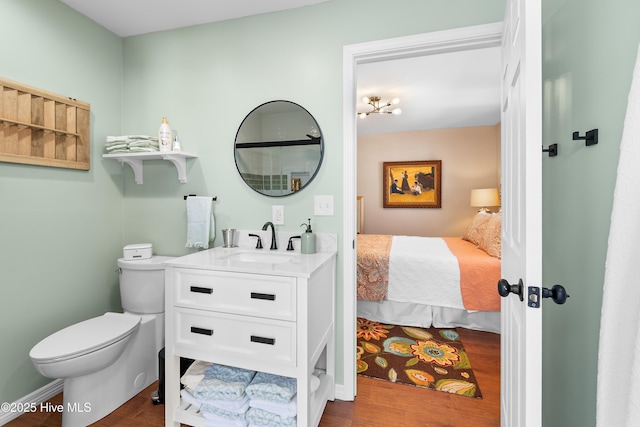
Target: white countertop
x=235, y=259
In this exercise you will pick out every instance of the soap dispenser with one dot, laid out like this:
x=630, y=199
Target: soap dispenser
x=307, y=240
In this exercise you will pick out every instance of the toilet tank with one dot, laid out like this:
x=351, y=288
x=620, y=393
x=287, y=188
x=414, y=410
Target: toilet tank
x=142, y=285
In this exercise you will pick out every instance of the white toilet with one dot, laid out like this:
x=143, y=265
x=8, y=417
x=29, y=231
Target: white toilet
x=108, y=359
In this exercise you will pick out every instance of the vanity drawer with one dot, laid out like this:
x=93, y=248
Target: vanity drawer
x=272, y=297
x=270, y=341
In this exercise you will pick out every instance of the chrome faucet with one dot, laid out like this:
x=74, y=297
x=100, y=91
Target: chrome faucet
x=274, y=245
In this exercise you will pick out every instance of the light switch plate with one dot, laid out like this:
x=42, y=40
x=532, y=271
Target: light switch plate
x=277, y=214
x=323, y=205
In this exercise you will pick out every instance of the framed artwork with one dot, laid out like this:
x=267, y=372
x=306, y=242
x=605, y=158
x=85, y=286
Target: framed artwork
x=414, y=184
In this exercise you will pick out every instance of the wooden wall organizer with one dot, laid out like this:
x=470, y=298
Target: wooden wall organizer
x=41, y=128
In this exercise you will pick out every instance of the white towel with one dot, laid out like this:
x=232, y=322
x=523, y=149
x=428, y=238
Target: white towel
x=618, y=397
x=201, y=226
x=314, y=384
x=188, y=398
x=217, y=411
x=194, y=374
x=285, y=410
x=237, y=406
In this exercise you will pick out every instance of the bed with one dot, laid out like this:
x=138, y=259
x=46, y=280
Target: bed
x=432, y=281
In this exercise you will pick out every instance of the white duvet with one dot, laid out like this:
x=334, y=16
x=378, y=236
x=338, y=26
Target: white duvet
x=424, y=271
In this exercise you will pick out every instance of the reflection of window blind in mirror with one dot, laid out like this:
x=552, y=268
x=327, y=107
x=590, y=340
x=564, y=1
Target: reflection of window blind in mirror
x=279, y=182
x=266, y=182
x=360, y=213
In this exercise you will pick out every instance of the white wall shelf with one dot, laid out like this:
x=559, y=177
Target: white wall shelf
x=135, y=160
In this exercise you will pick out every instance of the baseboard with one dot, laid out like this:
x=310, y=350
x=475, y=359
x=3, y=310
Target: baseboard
x=340, y=393
x=40, y=395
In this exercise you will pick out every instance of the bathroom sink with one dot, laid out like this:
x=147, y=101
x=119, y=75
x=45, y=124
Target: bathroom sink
x=265, y=257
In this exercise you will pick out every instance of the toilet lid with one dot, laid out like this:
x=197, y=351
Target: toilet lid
x=84, y=337
x=153, y=263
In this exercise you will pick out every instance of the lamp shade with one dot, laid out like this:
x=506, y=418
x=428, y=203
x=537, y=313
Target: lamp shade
x=483, y=197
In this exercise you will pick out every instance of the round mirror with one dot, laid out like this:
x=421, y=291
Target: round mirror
x=278, y=148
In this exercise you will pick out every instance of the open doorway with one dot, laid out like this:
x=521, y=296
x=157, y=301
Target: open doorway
x=471, y=38
x=450, y=112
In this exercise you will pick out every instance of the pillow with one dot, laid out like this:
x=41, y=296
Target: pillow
x=491, y=241
x=475, y=231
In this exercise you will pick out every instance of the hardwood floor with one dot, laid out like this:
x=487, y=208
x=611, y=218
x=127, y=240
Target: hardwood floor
x=378, y=403
x=384, y=404
x=137, y=412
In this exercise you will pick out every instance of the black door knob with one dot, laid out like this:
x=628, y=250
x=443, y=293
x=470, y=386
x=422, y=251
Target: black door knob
x=504, y=288
x=557, y=293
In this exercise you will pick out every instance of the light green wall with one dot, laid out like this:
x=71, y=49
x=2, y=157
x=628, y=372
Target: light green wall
x=589, y=50
x=60, y=229
x=205, y=79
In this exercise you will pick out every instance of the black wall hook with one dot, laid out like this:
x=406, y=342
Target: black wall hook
x=552, y=150
x=590, y=138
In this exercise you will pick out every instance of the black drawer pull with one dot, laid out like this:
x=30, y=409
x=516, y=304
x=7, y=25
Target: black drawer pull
x=258, y=295
x=201, y=331
x=263, y=340
x=201, y=290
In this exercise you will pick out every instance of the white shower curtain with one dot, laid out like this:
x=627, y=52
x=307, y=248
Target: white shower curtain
x=618, y=397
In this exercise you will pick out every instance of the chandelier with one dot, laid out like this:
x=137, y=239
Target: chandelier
x=378, y=107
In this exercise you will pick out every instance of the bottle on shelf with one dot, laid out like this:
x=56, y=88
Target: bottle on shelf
x=164, y=136
x=176, y=146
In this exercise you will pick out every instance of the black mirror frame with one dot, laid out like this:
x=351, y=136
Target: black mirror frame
x=313, y=140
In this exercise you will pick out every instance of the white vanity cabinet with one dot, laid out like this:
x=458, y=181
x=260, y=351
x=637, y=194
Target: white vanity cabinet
x=275, y=318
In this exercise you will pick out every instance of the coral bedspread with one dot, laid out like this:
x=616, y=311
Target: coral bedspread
x=448, y=272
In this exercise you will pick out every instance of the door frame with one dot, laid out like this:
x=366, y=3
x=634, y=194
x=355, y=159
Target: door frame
x=433, y=43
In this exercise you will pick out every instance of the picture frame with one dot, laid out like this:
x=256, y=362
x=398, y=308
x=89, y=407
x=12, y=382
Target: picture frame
x=412, y=184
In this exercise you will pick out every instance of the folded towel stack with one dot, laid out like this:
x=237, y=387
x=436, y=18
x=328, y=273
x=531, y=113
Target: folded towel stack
x=228, y=396
x=272, y=387
x=272, y=401
x=218, y=392
x=131, y=144
x=222, y=382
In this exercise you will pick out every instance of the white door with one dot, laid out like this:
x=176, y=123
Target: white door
x=521, y=339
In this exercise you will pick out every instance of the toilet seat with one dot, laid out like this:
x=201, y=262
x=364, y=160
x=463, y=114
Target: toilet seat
x=84, y=337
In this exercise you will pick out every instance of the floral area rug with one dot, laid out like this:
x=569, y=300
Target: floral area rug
x=430, y=358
